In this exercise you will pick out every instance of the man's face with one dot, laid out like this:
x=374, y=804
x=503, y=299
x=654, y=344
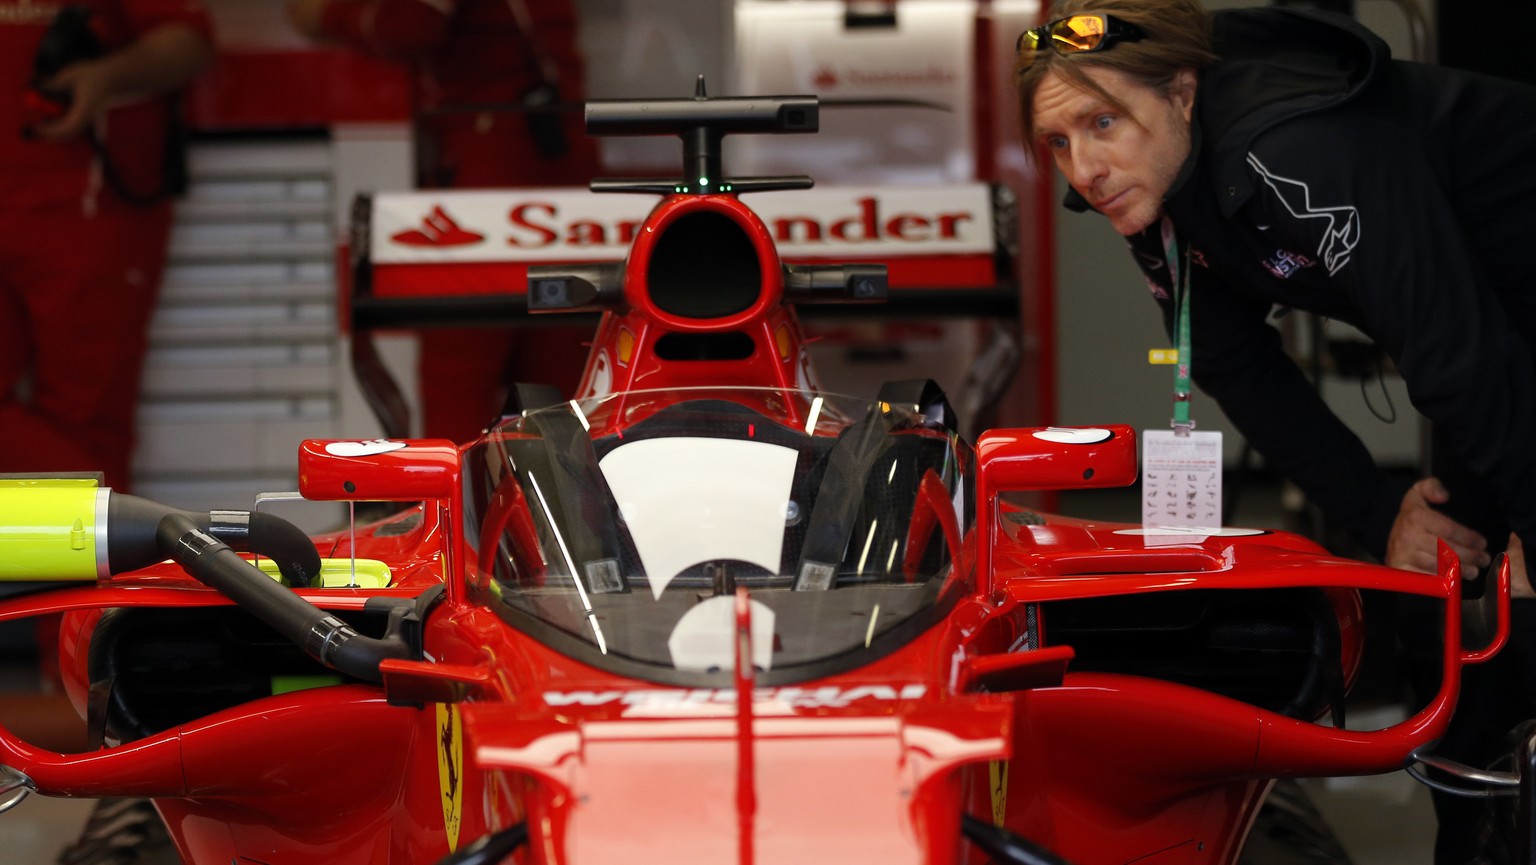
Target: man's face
x=1123, y=167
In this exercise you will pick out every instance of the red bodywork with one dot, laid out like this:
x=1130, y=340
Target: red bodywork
x=978, y=713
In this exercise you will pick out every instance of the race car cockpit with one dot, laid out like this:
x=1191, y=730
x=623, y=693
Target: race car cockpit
x=623, y=541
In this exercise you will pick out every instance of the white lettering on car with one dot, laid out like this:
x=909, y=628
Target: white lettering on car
x=830, y=696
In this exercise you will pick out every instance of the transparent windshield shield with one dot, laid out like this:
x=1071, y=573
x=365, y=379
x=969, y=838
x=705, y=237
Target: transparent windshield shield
x=620, y=529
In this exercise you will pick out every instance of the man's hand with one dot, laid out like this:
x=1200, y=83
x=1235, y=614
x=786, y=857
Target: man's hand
x=1411, y=544
x=87, y=85
x=165, y=58
x=1519, y=580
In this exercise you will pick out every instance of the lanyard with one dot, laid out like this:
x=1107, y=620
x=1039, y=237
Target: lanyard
x=1178, y=269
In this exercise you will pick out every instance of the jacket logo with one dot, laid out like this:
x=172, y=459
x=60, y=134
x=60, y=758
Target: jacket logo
x=1284, y=263
x=1343, y=223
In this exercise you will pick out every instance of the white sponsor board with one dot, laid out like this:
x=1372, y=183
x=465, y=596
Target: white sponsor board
x=573, y=224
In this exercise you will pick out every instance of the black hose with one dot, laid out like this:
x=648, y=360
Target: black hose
x=132, y=523
x=321, y=635
x=272, y=536
x=490, y=849
x=1005, y=846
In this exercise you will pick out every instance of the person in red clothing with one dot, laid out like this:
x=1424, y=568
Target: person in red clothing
x=479, y=53
x=82, y=230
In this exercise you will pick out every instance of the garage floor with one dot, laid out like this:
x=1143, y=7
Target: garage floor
x=38, y=829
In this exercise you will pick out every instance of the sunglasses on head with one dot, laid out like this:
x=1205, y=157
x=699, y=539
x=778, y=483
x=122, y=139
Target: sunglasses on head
x=1076, y=34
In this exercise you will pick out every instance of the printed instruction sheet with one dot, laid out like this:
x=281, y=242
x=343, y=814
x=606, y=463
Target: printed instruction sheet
x=1181, y=480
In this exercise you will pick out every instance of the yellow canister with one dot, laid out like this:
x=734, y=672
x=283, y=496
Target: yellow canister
x=49, y=528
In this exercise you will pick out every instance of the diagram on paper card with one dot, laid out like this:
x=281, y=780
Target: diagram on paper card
x=1181, y=479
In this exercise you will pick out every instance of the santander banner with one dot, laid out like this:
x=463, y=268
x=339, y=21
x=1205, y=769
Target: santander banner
x=573, y=224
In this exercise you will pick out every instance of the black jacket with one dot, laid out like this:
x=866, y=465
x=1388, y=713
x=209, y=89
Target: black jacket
x=1398, y=197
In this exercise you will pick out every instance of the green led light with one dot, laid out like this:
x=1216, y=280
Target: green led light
x=703, y=181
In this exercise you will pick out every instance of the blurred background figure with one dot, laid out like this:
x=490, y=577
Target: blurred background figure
x=90, y=159
x=483, y=70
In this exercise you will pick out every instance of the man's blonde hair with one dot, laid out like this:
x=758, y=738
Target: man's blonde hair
x=1177, y=37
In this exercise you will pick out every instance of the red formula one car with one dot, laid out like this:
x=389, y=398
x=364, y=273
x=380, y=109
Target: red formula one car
x=703, y=613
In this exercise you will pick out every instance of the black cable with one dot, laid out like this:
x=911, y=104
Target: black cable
x=1381, y=378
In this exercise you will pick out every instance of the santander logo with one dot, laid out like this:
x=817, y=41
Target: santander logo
x=538, y=224
x=437, y=229
x=574, y=225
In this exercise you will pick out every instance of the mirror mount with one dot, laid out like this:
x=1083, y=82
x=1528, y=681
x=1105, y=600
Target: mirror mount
x=1032, y=459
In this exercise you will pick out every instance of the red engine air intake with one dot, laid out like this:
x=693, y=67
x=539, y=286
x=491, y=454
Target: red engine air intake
x=702, y=306
x=704, y=262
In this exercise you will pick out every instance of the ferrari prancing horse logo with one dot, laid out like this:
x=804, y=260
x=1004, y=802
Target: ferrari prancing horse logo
x=997, y=774
x=450, y=770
